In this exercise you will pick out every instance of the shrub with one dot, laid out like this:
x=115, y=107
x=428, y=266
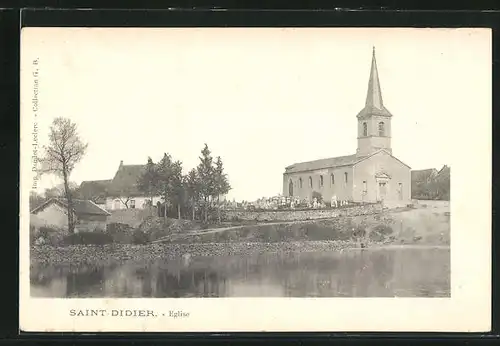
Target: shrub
x=33, y=233
x=157, y=233
x=270, y=234
x=116, y=227
x=380, y=232
x=317, y=231
x=88, y=238
x=383, y=229
x=140, y=237
x=359, y=232
x=48, y=235
x=120, y=233
x=45, y=232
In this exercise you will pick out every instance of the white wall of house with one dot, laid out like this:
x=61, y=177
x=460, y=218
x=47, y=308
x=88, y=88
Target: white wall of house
x=101, y=205
x=53, y=215
x=113, y=203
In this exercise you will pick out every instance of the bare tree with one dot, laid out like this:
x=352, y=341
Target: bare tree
x=64, y=151
x=125, y=201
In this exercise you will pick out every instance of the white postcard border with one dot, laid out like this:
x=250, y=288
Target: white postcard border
x=468, y=309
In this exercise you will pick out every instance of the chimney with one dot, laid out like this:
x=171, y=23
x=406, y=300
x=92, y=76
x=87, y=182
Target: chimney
x=121, y=163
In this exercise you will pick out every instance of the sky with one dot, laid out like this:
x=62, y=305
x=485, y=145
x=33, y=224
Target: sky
x=262, y=99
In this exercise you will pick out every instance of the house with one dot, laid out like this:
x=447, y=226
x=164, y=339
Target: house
x=122, y=191
x=423, y=175
x=422, y=183
x=431, y=183
x=443, y=173
x=372, y=174
x=54, y=213
x=95, y=190
x=443, y=183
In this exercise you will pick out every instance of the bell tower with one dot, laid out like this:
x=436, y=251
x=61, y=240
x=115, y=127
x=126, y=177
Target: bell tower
x=374, y=120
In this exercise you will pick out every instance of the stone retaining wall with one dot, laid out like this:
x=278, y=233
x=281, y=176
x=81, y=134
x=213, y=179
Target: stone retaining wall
x=296, y=215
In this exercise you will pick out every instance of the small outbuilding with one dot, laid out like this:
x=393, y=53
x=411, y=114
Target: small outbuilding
x=88, y=216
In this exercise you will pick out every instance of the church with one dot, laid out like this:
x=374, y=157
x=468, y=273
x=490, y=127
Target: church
x=372, y=174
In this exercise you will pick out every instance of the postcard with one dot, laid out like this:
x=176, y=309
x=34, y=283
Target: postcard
x=255, y=179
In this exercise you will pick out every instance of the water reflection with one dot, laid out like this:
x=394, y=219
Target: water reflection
x=356, y=273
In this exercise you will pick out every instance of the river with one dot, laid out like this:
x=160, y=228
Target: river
x=385, y=272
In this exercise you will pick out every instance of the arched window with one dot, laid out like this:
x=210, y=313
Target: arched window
x=332, y=179
x=310, y=182
x=345, y=177
x=320, y=180
x=365, y=129
x=300, y=183
x=381, y=129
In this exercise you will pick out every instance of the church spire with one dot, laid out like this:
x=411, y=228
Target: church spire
x=374, y=96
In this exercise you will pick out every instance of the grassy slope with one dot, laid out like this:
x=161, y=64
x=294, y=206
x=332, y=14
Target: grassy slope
x=429, y=226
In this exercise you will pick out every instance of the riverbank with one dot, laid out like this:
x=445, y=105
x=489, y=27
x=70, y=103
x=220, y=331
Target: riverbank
x=424, y=226
x=116, y=254
x=94, y=254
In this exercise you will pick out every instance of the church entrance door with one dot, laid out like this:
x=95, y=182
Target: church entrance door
x=382, y=189
x=290, y=188
x=382, y=180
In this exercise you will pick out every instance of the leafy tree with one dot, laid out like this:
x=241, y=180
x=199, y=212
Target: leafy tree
x=192, y=187
x=148, y=181
x=165, y=172
x=58, y=191
x=221, y=183
x=205, y=172
x=64, y=151
x=177, y=186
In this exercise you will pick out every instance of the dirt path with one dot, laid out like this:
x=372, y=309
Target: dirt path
x=222, y=229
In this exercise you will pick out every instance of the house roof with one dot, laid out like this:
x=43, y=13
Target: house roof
x=444, y=173
x=339, y=161
x=423, y=174
x=80, y=206
x=94, y=189
x=125, y=181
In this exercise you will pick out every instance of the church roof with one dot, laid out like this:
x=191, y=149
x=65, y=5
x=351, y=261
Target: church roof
x=374, y=104
x=339, y=161
x=322, y=164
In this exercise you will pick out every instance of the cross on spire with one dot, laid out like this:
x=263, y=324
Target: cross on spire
x=374, y=95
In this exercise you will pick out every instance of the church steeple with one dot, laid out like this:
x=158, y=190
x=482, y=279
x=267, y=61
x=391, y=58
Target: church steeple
x=374, y=95
x=374, y=120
